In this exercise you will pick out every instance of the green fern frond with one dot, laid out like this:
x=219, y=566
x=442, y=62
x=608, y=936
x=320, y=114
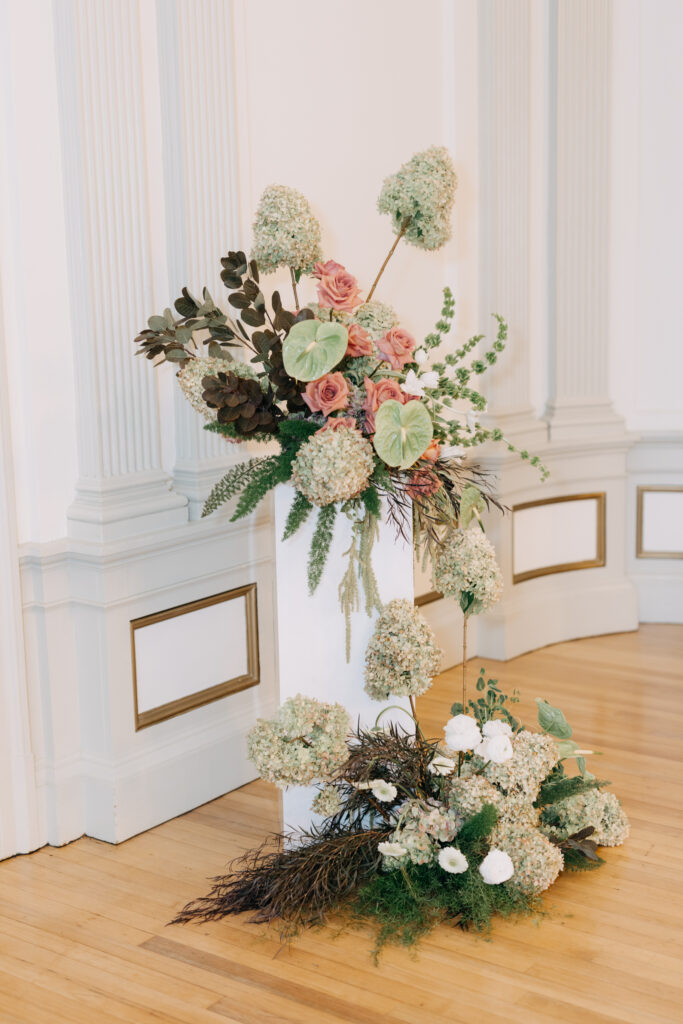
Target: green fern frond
x=234, y=481
x=276, y=470
x=298, y=514
x=320, y=545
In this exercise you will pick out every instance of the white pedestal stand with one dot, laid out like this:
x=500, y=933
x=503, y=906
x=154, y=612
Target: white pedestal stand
x=311, y=635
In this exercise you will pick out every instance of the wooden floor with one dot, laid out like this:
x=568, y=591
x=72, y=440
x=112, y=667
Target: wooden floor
x=83, y=937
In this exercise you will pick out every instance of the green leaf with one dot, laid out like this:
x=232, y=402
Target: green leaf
x=552, y=720
x=402, y=432
x=312, y=349
x=471, y=503
x=157, y=323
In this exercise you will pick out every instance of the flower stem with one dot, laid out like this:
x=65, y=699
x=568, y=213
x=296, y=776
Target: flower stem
x=464, y=662
x=296, y=297
x=398, y=238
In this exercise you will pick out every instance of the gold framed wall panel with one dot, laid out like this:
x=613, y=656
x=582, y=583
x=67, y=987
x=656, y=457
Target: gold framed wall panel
x=592, y=563
x=640, y=501
x=162, y=712
x=423, y=599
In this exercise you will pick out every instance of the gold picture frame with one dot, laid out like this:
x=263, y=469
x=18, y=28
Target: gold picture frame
x=252, y=677
x=640, y=494
x=591, y=563
x=428, y=598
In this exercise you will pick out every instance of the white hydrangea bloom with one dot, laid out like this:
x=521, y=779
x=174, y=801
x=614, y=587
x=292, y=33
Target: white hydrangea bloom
x=466, y=564
x=333, y=466
x=285, y=231
x=423, y=190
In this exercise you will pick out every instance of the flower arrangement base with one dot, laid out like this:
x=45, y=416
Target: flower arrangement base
x=310, y=632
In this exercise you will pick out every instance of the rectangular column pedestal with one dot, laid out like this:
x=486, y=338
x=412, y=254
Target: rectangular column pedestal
x=311, y=635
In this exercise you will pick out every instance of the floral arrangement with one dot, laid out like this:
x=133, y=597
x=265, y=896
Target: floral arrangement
x=367, y=419
x=418, y=831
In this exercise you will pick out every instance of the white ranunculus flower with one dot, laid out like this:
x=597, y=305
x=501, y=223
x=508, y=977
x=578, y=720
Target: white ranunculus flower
x=462, y=733
x=452, y=860
x=420, y=356
x=495, y=748
x=496, y=728
x=496, y=867
x=441, y=765
x=391, y=849
x=430, y=379
x=384, y=791
x=412, y=386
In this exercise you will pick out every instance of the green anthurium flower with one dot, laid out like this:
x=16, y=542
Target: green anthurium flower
x=312, y=349
x=402, y=432
x=471, y=504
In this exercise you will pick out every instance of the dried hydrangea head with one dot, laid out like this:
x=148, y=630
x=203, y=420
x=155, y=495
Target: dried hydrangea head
x=327, y=802
x=402, y=657
x=193, y=372
x=536, y=860
x=534, y=755
x=601, y=810
x=466, y=565
x=304, y=743
x=286, y=234
x=334, y=465
x=468, y=794
x=422, y=192
x=376, y=318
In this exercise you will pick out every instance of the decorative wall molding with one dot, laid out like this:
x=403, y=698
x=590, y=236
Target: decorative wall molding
x=99, y=59
x=164, y=646
x=579, y=404
x=663, y=537
x=574, y=525
x=98, y=775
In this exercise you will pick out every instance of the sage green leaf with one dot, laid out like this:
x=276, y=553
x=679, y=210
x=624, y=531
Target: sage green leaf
x=402, y=432
x=312, y=349
x=471, y=502
x=552, y=720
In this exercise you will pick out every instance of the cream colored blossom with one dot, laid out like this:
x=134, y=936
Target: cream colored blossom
x=334, y=465
x=402, y=657
x=285, y=231
x=601, y=810
x=466, y=564
x=422, y=193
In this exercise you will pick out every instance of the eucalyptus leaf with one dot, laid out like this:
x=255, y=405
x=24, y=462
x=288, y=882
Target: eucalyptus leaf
x=312, y=349
x=402, y=432
x=552, y=720
x=157, y=323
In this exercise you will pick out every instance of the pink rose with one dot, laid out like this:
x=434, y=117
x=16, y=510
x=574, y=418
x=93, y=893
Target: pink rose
x=432, y=452
x=377, y=393
x=327, y=393
x=360, y=342
x=336, y=287
x=330, y=267
x=338, y=423
x=397, y=347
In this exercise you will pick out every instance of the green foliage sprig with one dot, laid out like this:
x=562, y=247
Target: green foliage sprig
x=235, y=480
x=298, y=514
x=492, y=705
x=320, y=545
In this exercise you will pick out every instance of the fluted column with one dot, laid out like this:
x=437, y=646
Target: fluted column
x=505, y=203
x=202, y=216
x=581, y=59
x=122, y=488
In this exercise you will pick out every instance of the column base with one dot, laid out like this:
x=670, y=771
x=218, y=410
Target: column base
x=124, y=506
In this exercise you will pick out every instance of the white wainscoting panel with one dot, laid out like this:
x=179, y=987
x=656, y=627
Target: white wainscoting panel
x=187, y=656
x=660, y=522
x=556, y=535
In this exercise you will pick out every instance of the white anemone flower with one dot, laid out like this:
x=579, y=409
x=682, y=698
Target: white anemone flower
x=441, y=765
x=496, y=728
x=392, y=849
x=462, y=733
x=384, y=791
x=452, y=860
x=496, y=867
x=497, y=748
